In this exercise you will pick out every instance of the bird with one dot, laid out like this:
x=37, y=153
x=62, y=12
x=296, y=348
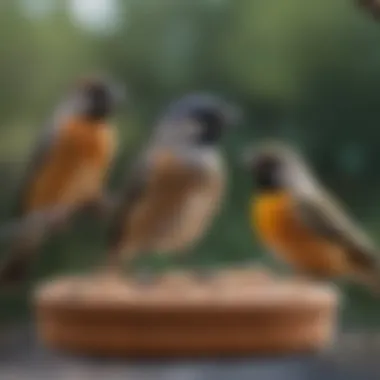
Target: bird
x=302, y=223
x=66, y=171
x=176, y=184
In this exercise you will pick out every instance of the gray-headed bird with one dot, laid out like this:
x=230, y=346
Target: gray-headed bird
x=177, y=185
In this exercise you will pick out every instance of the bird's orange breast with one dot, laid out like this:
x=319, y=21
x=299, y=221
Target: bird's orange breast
x=280, y=229
x=75, y=167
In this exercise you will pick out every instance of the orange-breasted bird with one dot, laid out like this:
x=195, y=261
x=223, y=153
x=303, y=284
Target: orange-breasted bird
x=300, y=222
x=177, y=185
x=66, y=172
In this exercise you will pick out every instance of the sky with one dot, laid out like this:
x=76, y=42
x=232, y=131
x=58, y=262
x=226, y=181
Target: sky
x=94, y=13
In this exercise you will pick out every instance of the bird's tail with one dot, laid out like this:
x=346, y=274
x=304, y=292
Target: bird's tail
x=26, y=237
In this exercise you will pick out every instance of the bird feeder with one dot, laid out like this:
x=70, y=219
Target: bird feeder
x=237, y=312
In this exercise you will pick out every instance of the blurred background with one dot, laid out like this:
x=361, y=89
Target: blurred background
x=304, y=71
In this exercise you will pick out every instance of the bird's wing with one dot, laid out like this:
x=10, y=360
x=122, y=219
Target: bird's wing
x=38, y=158
x=327, y=218
x=166, y=175
x=18, y=260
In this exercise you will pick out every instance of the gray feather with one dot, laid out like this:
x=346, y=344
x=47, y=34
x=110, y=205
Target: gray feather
x=327, y=218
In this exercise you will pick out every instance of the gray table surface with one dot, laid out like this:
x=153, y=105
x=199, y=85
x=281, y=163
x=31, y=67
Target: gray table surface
x=22, y=357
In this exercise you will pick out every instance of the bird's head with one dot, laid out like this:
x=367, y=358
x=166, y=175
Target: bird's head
x=198, y=119
x=96, y=98
x=274, y=166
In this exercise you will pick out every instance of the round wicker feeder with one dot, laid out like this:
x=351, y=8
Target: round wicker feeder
x=240, y=312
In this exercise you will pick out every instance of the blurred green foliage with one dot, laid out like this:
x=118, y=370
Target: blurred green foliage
x=304, y=71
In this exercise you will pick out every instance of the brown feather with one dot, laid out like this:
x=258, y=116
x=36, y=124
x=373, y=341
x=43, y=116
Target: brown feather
x=152, y=215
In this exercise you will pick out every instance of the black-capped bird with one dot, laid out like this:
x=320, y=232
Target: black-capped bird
x=66, y=172
x=300, y=222
x=177, y=184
